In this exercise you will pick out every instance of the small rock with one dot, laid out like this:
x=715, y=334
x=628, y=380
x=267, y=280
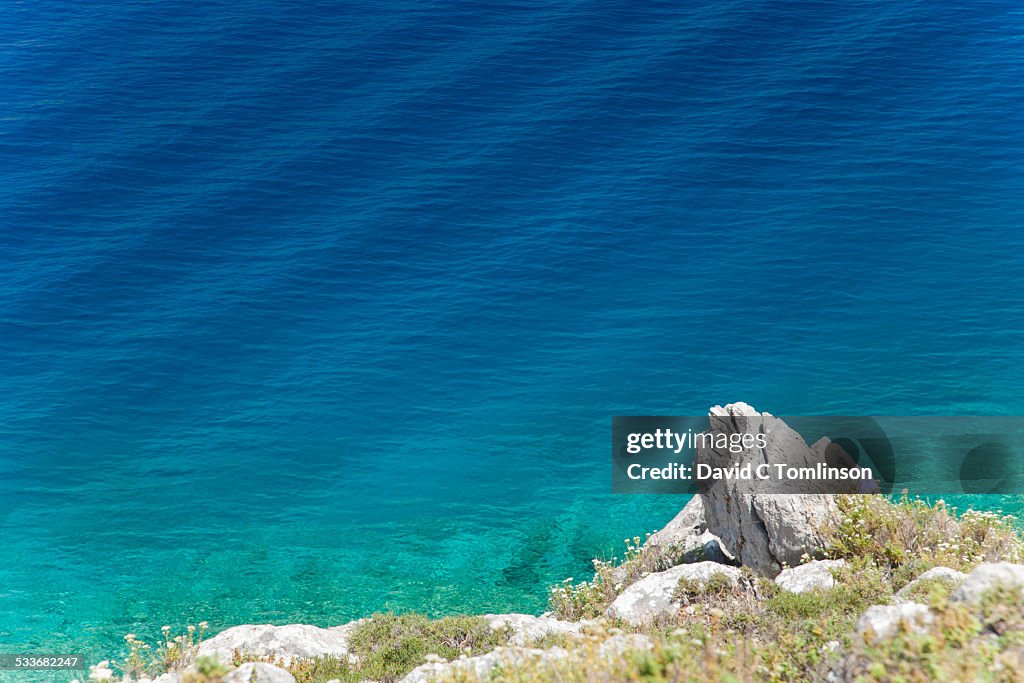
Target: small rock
x=481, y=666
x=651, y=596
x=621, y=644
x=816, y=575
x=689, y=522
x=257, y=672
x=987, y=577
x=525, y=629
x=686, y=539
x=169, y=677
x=884, y=621
x=946, y=574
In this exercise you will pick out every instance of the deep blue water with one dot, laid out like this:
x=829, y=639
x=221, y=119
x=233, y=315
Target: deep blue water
x=314, y=309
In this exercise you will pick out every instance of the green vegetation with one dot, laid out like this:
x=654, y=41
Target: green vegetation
x=960, y=645
x=909, y=536
x=207, y=670
x=589, y=599
x=171, y=652
x=690, y=590
x=932, y=592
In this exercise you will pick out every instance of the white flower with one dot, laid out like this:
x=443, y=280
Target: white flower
x=101, y=671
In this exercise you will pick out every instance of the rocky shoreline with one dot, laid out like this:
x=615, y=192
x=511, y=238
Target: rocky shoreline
x=714, y=585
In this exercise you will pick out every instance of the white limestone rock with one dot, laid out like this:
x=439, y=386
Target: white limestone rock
x=987, y=577
x=481, y=667
x=951, y=576
x=816, y=575
x=686, y=539
x=169, y=677
x=282, y=642
x=884, y=621
x=256, y=672
x=525, y=629
x=652, y=596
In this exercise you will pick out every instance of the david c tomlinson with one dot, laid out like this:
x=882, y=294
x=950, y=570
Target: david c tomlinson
x=748, y=472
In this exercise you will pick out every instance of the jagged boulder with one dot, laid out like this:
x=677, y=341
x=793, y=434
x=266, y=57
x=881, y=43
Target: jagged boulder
x=653, y=596
x=816, y=575
x=685, y=539
x=282, y=642
x=761, y=528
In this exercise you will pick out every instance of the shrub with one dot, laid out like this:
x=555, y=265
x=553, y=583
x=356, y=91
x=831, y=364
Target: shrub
x=714, y=587
x=589, y=599
x=208, y=670
x=172, y=652
x=909, y=536
x=388, y=646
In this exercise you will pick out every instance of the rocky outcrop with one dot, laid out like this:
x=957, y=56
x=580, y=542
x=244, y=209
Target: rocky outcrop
x=281, y=642
x=685, y=539
x=258, y=673
x=762, y=529
x=950, y=576
x=816, y=575
x=988, y=577
x=884, y=621
x=652, y=597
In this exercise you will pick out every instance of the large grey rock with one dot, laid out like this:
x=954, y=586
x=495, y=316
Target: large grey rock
x=685, y=539
x=946, y=574
x=526, y=630
x=481, y=667
x=884, y=621
x=652, y=596
x=282, y=642
x=987, y=577
x=762, y=529
x=816, y=575
x=258, y=673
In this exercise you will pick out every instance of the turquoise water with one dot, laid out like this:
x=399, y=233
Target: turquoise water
x=308, y=311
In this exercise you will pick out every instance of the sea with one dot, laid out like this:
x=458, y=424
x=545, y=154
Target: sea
x=313, y=310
